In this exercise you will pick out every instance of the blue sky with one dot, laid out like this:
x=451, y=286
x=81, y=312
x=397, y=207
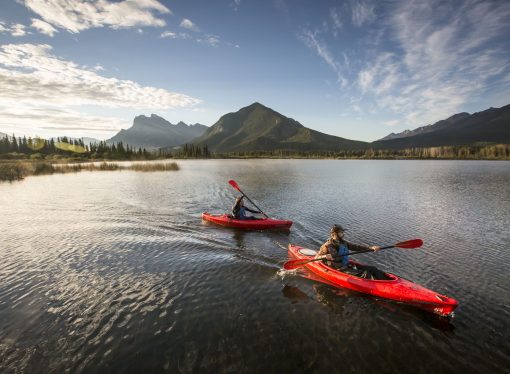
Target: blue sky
x=355, y=69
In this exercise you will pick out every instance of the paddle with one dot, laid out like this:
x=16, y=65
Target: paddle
x=236, y=186
x=294, y=264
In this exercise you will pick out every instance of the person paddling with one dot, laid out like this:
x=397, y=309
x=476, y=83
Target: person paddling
x=335, y=254
x=239, y=210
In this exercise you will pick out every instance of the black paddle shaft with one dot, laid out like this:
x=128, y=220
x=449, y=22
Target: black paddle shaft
x=255, y=205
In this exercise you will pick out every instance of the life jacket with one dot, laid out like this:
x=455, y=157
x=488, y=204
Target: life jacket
x=343, y=250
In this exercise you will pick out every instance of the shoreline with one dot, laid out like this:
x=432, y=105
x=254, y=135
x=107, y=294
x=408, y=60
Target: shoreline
x=19, y=170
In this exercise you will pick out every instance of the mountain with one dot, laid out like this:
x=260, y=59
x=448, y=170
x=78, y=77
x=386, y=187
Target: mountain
x=156, y=132
x=489, y=126
x=259, y=128
x=429, y=128
x=2, y=135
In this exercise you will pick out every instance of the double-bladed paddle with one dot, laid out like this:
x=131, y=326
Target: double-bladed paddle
x=294, y=264
x=236, y=186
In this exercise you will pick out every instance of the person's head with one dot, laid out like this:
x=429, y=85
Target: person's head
x=239, y=201
x=336, y=232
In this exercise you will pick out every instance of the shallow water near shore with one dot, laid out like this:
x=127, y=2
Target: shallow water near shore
x=116, y=271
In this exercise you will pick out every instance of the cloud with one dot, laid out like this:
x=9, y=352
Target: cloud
x=336, y=19
x=15, y=29
x=211, y=40
x=449, y=56
x=30, y=73
x=18, y=30
x=78, y=15
x=393, y=122
x=45, y=122
x=381, y=76
x=43, y=27
x=419, y=61
x=187, y=24
x=235, y=4
x=362, y=13
x=168, y=34
x=311, y=41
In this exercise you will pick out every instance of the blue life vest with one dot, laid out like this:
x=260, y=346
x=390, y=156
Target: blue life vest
x=343, y=250
x=241, y=214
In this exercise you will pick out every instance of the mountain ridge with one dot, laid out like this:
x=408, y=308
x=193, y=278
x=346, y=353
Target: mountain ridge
x=260, y=128
x=156, y=132
x=488, y=126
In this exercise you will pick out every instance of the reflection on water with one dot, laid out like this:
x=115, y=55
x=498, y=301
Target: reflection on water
x=116, y=272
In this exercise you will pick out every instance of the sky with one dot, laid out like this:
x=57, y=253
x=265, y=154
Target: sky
x=355, y=69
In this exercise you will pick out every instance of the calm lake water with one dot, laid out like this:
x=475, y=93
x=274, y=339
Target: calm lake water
x=116, y=272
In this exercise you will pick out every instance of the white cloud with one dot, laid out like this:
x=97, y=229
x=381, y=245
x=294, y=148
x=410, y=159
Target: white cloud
x=393, y=122
x=51, y=121
x=78, y=15
x=18, y=30
x=43, y=27
x=362, y=13
x=187, y=24
x=15, y=29
x=31, y=74
x=450, y=54
x=337, y=22
x=235, y=4
x=168, y=34
x=381, y=76
x=309, y=38
x=211, y=40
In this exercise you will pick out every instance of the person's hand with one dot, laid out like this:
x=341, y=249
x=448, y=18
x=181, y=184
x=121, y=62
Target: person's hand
x=374, y=248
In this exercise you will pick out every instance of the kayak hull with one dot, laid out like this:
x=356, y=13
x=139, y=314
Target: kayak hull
x=247, y=224
x=395, y=288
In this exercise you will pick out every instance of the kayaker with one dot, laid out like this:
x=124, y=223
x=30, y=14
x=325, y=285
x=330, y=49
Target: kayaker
x=239, y=210
x=334, y=252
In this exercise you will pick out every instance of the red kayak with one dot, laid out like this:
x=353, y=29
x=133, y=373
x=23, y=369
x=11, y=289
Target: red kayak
x=395, y=288
x=249, y=224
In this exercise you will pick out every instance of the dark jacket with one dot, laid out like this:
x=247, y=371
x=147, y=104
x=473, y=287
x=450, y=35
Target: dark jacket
x=236, y=210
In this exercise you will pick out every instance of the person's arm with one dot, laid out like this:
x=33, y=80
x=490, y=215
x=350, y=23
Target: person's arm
x=251, y=210
x=360, y=247
x=323, y=251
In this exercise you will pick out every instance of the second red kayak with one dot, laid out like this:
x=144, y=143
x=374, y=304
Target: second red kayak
x=249, y=224
x=394, y=288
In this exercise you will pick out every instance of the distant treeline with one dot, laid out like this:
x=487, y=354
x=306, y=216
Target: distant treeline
x=37, y=148
x=12, y=147
x=486, y=152
x=192, y=151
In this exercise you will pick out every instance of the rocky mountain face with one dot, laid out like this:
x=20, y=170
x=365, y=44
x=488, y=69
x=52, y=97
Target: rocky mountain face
x=156, y=132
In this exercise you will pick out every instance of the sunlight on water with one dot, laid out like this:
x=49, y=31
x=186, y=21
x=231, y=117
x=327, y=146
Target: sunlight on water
x=117, y=272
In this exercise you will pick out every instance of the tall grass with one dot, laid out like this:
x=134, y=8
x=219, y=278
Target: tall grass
x=11, y=171
x=147, y=166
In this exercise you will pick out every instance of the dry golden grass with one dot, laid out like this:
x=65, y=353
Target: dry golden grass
x=147, y=166
x=11, y=171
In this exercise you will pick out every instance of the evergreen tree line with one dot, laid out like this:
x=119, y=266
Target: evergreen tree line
x=12, y=147
x=489, y=152
x=193, y=151
x=68, y=147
